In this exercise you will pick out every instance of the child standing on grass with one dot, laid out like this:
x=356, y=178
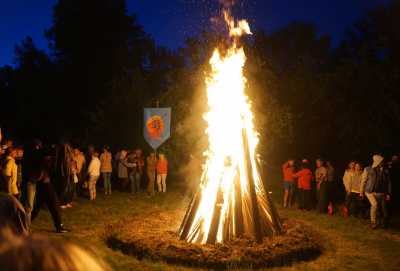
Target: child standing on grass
x=162, y=171
x=94, y=174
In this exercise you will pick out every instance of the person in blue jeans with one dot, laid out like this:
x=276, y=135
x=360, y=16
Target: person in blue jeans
x=32, y=173
x=134, y=175
x=106, y=169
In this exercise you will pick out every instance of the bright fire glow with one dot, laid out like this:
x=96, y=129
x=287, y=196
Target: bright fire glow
x=229, y=118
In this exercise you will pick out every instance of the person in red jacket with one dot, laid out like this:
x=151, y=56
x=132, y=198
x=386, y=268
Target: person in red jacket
x=304, y=179
x=288, y=182
x=162, y=171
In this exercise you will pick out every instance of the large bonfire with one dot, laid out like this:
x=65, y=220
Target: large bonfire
x=232, y=201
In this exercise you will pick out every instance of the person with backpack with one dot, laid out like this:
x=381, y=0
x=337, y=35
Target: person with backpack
x=377, y=187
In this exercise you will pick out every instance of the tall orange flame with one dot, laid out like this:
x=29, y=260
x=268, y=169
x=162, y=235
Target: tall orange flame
x=232, y=194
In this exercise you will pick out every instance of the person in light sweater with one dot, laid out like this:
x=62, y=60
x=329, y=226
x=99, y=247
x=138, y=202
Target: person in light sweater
x=94, y=174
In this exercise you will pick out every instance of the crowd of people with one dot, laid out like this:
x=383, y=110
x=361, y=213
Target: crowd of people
x=56, y=175
x=371, y=187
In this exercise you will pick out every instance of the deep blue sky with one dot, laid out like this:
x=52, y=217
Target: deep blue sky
x=170, y=21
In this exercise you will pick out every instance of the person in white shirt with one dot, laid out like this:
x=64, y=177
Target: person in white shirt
x=94, y=174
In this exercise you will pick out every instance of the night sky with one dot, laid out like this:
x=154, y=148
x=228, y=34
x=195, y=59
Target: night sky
x=170, y=21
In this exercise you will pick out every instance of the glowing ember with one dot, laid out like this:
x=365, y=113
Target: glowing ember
x=232, y=201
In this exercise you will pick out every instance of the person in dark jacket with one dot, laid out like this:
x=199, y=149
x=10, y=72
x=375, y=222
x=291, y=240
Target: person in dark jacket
x=45, y=194
x=32, y=171
x=394, y=169
x=376, y=185
x=321, y=178
x=64, y=164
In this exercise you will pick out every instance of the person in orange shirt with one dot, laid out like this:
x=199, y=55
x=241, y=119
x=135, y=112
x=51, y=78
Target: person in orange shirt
x=162, y=171
x=305, y=178
x=288, y=182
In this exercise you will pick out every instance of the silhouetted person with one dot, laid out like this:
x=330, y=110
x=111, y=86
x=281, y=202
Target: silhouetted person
x=376, y=185
x=32, y=172
x=394, y=169
x=45, y=194
x=321, y=177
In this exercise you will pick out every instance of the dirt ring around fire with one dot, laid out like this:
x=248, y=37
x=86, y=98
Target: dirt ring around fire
x=154, y=236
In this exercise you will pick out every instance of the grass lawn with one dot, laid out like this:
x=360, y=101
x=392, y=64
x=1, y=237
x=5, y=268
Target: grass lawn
x=349, y=243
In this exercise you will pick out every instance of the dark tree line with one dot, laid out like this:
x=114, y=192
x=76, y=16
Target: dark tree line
x=309, y=99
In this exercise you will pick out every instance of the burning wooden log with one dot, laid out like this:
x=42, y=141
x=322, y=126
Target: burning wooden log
x=191, y=212
x=214, y=227
x=189, y=216
x=252, y=190
x=233, y=202
x=238, y=209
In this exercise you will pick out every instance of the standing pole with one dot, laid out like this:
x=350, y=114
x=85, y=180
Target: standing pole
x=238, y=207
x=212, y=234
x=189, y=216
x=155, y=152
x=276, y=225
x=252, y=190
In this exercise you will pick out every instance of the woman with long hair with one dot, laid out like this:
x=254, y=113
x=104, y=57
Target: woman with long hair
x=353, y=190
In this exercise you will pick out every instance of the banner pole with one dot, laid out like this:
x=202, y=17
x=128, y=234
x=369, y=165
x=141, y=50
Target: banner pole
x=155, y=151
x=155, y=172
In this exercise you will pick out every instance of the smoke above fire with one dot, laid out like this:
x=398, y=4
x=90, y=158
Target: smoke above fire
x=227, y=4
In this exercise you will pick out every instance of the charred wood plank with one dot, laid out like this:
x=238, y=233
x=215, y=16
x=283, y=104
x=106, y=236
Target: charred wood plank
x=212, y=234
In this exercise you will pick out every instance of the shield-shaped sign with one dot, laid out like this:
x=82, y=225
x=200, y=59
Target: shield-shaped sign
x=157, y=126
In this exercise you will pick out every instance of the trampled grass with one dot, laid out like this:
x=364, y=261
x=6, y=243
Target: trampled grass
x=349, y=242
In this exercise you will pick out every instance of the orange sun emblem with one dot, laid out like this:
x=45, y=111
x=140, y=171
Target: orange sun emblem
x=155, y=127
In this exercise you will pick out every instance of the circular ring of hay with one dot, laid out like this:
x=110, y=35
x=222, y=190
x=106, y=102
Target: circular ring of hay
x=154, y=236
